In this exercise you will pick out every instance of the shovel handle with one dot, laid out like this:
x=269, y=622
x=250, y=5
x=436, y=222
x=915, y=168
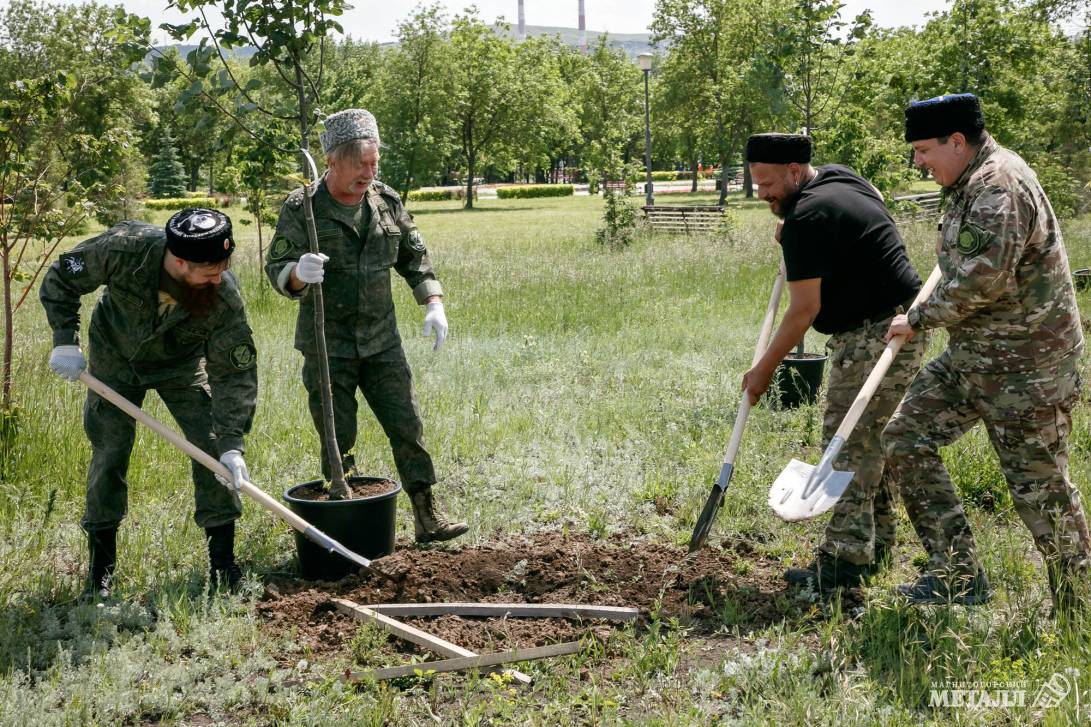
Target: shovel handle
x=251, y=490
x=871, y=385
x=763, y=343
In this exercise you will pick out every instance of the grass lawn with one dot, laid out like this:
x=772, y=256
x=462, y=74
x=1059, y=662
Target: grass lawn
x=583, y=393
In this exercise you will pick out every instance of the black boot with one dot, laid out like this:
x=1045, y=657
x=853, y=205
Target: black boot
x=102, y=545
x=1067, y=603
x=826, y=574
x=223, y=571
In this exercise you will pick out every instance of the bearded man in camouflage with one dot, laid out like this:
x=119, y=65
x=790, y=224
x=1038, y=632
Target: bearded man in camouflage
x=1011, y=362
x=171, y=319
x=363, y=232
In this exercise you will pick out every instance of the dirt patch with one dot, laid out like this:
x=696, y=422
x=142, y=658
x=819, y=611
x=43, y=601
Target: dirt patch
x=713, y=589
x=360, y=488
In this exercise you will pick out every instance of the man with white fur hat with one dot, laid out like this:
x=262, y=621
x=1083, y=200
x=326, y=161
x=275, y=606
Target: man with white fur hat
x=363, y=232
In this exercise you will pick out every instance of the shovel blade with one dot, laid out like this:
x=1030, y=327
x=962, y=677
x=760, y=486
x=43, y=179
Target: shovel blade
x=794, y=496
x=707, y=518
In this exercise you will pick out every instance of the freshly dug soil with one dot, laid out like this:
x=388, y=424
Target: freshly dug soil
x=712, y=589
x=360, y=490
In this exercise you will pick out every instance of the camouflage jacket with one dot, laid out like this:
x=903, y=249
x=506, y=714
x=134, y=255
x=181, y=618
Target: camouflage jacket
x=129, y=346
x=359, y=304
x=1006, y=297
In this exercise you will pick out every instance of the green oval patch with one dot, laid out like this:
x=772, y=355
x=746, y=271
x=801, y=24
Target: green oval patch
x=280, y=248
x=971, y=240
x=243, y=356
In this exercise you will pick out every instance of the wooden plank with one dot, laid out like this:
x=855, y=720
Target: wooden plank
x=470, y=662
x=412, y=634
x=510, y=610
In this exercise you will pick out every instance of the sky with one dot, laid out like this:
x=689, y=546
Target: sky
x=371, y=20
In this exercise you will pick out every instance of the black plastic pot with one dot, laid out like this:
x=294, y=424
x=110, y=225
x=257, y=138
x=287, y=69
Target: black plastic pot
x=364, y=525
x=799, y=377
x=1082, y=278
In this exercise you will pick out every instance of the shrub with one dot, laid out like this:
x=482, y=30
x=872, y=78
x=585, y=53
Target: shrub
x=669, y=176
x=526, y=191
x=430, y=195
x=179, y=203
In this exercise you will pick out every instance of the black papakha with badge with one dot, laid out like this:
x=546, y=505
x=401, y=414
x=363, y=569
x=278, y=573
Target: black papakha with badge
x=204, y=368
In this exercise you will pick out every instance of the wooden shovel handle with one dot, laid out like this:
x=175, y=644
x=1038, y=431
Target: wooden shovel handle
x=871, y=385
x=199, y=455
x=763, y=343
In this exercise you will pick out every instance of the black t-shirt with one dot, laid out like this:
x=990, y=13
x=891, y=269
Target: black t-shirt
x=838, y=229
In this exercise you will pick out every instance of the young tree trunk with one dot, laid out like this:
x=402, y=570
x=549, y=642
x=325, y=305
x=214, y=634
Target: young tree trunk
x=693, y=170
x=261, y=246
x=723, y=177
x=9, y=328
x=339, y=489
x=471, y=160
x=747, y=182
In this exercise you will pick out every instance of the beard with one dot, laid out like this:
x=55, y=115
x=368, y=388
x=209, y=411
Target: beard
x=199, y=301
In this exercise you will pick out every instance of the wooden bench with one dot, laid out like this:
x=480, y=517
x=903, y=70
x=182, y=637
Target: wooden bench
x=615, y=185
x=690, y=220
x=917, y=207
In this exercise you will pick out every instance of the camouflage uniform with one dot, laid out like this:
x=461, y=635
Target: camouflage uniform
x=204, y=369
x=363, y=242
x=1008, y=304
x=863, y=520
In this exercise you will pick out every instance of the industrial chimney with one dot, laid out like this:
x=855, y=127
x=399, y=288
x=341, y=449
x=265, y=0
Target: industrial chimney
x=522, y=22
x=583, y=28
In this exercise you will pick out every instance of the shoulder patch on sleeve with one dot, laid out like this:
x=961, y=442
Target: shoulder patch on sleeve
x=73, y=264
x=971, y=240
x=243, y=356
x=280, y=249
x=416, y=241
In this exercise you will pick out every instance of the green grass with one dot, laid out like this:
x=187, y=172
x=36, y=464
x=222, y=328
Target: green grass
x=577, y=386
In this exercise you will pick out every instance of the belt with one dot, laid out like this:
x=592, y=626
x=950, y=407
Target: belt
x=882, y=315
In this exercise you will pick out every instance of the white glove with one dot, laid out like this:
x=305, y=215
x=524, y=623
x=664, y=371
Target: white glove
x=435, y=318
x=67, y=361
x=309, y=268
x=233, y=461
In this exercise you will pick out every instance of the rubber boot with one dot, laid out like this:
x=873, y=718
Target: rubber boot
x=223, y=571
x=429, y=527
x=102, y=545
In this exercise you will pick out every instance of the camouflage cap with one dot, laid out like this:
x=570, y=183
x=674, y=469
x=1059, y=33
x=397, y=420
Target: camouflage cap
x=348, y=125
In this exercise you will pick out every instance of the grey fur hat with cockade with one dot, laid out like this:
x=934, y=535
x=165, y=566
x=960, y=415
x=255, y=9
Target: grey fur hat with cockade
x=348, y=125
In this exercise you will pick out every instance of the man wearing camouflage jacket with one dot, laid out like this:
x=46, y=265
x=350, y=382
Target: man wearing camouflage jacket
x=170, y=319
x=1011, y=362
x=363, y=232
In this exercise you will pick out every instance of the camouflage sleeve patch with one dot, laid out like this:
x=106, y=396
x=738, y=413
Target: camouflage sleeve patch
x=280, y=249
x=73, y=264
x=243, y=356
x=971, y=240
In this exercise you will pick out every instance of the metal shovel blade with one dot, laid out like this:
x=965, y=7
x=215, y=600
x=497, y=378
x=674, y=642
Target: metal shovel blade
x=803, y=491
x=707, y=518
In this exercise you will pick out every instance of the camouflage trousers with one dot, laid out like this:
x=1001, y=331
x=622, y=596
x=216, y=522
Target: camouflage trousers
x=863, y=519
x=112, y=433
x=387, y=386
x=1028, y=417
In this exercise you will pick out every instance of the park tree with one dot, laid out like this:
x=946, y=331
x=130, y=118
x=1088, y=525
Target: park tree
x=61, y=161
x=414, y=109
x=484, y=93
x=167, y=175
x=680, y=131
x=728, y=46
x=612, y=111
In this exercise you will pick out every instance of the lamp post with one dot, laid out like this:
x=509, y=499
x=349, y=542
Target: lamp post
x=644, y=60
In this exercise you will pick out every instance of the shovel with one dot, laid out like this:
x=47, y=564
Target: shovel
x=309, y=531
x=801, y=491
x=716, y=497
